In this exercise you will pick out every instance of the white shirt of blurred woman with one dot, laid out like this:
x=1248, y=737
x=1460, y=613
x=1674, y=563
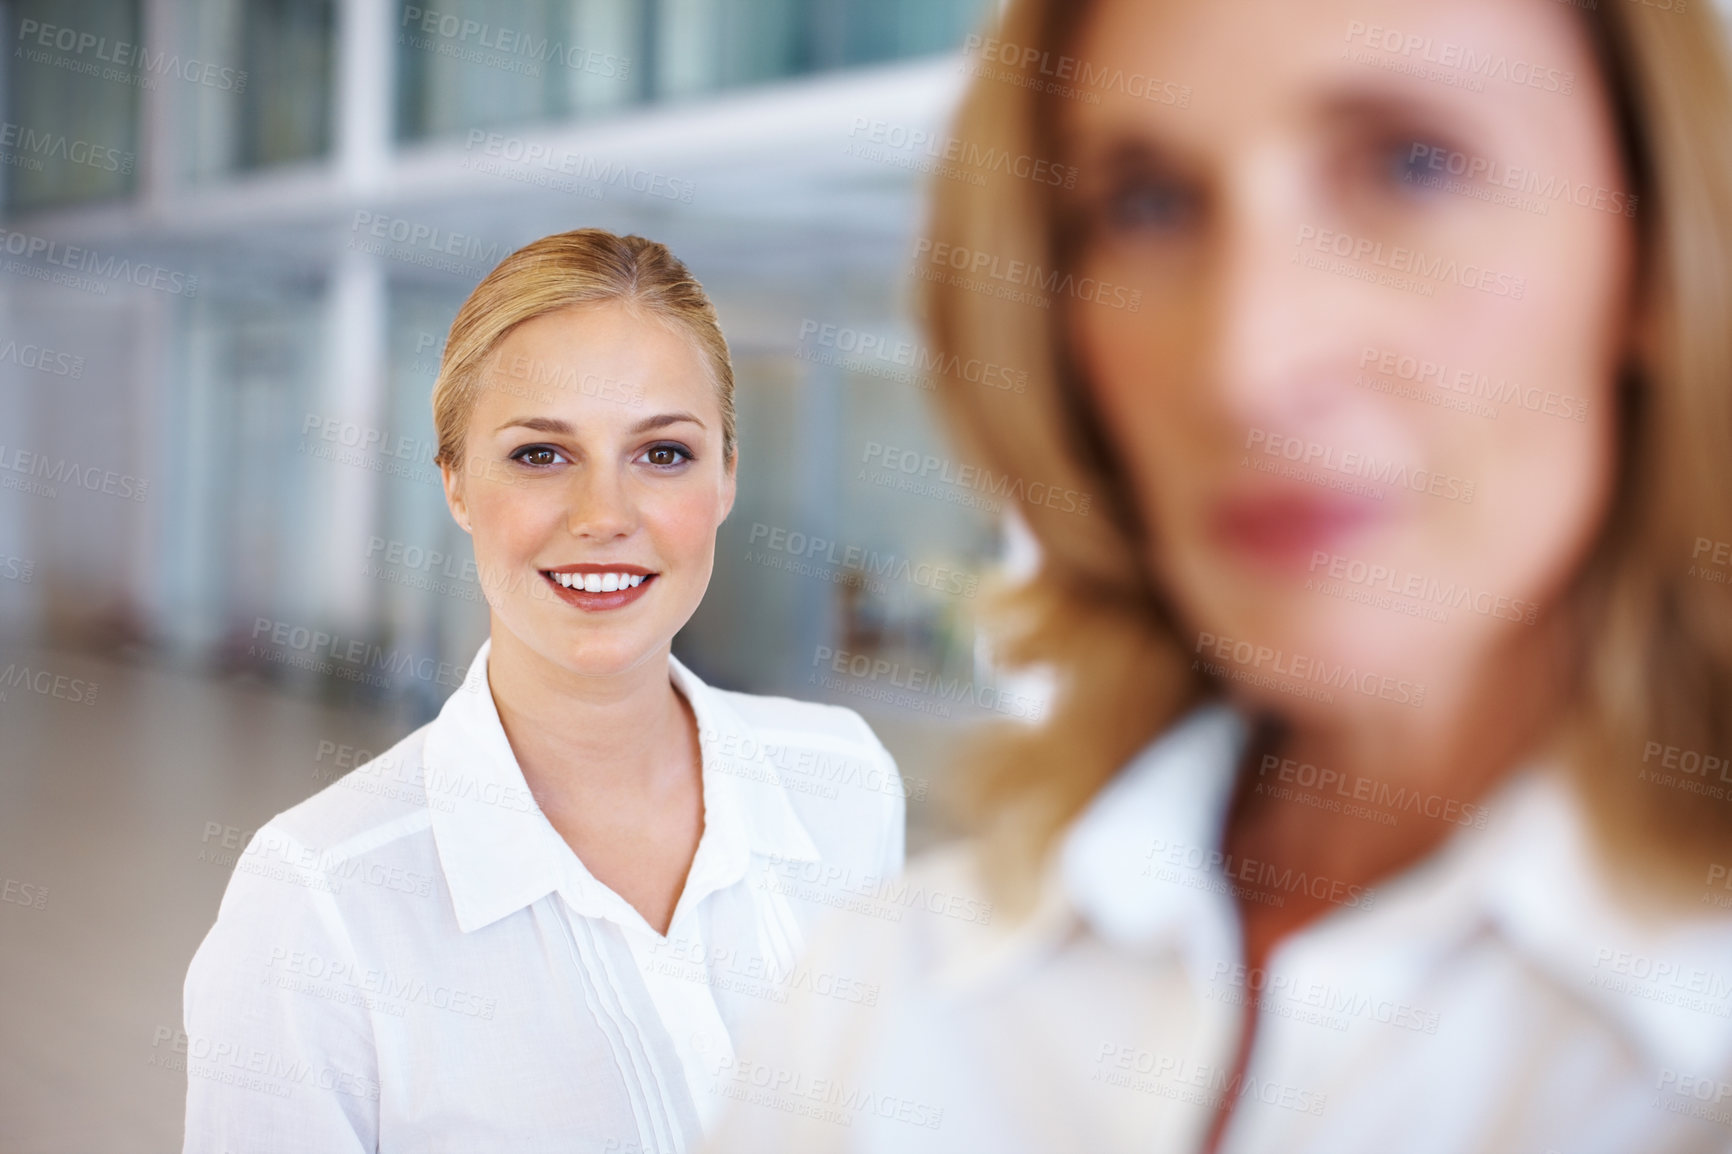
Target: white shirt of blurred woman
x=414, y=958
x=1491, y=999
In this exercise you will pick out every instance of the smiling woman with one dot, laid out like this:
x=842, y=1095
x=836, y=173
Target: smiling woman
x=551, y=941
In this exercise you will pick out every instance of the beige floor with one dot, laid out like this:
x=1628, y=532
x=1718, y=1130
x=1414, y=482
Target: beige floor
x=109, y=806
x=106, y=806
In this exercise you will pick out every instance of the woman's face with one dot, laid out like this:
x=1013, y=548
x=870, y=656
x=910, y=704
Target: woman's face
x=1367, y=402
x=593, y=461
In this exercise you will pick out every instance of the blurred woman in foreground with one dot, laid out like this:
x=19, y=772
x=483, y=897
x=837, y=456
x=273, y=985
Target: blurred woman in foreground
x=1385, y=803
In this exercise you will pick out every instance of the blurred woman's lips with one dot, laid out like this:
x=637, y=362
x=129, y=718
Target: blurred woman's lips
x=1285, y=529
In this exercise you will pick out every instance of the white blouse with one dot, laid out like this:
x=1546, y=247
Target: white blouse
x=414, y=959
x=1491, y=999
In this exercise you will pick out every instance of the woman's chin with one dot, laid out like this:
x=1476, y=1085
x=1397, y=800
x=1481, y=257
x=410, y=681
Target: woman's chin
x=612, y=658
x=1326, y=661
x=588, y=652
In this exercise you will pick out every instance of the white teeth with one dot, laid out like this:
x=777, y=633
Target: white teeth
x=599, y=582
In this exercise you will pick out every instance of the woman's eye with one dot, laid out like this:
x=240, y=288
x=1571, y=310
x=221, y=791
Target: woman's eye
x=1408, y=163
x=667, y=456
x=1149, y=202
x=537, y=455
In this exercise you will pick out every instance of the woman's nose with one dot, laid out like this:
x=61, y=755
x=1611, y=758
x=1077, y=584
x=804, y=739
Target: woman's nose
x=599, y=505
x=1281, y=333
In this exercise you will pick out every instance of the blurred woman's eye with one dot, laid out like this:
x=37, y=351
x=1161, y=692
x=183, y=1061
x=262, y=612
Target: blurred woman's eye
x=538, y=456
x=667, y=456
x=1413, y=165
x=1142, y=202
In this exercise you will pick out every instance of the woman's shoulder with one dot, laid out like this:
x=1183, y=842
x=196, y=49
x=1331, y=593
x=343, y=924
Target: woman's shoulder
x=809, y=742
x=828, y=764
x=813, y=723
x=372, y=808
x=363, y=791
x=771, y=721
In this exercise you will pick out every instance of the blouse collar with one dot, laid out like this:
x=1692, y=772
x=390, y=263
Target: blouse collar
x=1533, y=875
x=500, y=853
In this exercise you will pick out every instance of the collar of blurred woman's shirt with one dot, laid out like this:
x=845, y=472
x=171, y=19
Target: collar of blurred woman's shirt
x=500, y=853
x=1142, y=868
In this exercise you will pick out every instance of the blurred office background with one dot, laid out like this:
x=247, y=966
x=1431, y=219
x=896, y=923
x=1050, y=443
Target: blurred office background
x=235, y=232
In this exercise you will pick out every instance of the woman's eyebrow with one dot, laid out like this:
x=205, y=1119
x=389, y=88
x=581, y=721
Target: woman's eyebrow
x=539, y=424
x=661, y=420
x=1130, y=146
x=564, y=428
x=1374, y=101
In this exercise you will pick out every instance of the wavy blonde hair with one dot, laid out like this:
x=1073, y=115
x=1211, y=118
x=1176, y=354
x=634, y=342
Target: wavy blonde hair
x=586, y=266
x=1656, y=643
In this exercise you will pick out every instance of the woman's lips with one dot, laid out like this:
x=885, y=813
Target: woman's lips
x=569, y=584
x=1285, y=529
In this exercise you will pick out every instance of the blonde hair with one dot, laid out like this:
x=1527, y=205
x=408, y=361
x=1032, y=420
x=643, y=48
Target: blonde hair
x=1657, y=644
x=586, y=266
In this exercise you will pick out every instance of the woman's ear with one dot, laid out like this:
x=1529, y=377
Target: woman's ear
x=1643, y=342
x=1641, y=327
x=730, y=477
x=453, y=481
